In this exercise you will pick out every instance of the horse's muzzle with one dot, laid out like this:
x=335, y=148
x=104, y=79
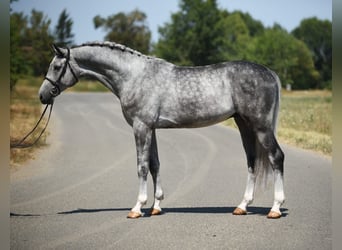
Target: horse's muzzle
x=46, y=100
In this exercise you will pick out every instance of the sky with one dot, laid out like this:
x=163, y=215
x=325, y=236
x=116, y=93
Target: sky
x=287, y=13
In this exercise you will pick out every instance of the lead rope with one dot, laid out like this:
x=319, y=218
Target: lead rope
x=21, y=144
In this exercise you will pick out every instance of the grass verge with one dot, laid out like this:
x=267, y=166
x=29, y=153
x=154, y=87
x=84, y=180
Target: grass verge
x=305, y=120
x=25, y=110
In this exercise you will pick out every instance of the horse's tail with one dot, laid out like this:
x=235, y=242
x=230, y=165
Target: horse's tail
x=277, y=102
x=263, y=167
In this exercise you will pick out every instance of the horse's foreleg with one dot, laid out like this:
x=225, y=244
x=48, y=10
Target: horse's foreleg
x=249, y=194
x=143, y=138
x=154, y=169
x=248, y=141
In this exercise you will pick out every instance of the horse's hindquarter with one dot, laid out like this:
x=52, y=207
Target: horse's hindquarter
x=195, y=97
x=256, y=91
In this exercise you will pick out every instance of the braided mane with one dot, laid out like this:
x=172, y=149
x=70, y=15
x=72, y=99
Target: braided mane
x=116, y=46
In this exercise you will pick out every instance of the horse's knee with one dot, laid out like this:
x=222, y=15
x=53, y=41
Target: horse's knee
x=143, y=171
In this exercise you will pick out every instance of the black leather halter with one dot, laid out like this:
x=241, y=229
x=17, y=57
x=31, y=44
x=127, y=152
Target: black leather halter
x=55, y=91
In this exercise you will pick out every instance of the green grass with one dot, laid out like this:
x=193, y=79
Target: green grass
x=305, y=120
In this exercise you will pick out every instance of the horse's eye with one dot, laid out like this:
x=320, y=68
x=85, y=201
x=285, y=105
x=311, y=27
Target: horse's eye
x=57, y=67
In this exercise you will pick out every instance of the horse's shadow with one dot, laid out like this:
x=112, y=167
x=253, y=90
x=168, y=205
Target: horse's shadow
x=262, y=211
x=221, y=210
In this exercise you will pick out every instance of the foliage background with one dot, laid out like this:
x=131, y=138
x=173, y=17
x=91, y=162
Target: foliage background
x=199, y=33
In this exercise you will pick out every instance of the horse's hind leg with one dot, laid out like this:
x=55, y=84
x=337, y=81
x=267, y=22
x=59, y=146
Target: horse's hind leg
x=154, y=169
x=248, y=141
x=276, y=157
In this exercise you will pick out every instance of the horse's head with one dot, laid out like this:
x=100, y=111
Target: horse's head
x=60, y=76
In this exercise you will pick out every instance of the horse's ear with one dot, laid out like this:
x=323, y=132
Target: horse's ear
x=58, y=51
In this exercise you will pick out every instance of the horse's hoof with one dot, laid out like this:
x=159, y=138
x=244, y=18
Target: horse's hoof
x=239, y=211
x=155, y=211
x=133, y=215
x=273, y=215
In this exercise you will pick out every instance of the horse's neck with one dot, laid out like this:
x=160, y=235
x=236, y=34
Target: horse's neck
x=111, y=68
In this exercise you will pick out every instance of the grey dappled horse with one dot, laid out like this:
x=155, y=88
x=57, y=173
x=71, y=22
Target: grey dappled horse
x=157, y=94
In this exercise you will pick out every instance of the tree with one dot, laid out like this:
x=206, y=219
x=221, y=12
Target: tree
x=235, y=36
x=317, y=35
x=286, y=55
x=200, y=33
x=192, y=36
x=63, y=34
x=128, y=29
x=18, y=64
x=30, y=44
x=36, y=42
x=255, y=27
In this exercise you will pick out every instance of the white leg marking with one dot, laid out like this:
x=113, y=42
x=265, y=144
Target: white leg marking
x=249, y=193
x=279, y=197
x=159, y=195
x=156, y=205
x=142, y=197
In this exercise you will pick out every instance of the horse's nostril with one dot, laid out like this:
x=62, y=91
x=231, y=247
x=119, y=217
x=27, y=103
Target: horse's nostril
x=42, y=99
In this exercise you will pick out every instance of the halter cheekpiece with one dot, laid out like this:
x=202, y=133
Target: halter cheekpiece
x=55, y=91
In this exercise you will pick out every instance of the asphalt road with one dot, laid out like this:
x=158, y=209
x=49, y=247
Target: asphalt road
x=77, y=192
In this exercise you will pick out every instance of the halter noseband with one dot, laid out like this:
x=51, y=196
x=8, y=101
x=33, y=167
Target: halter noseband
x=55, y=91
